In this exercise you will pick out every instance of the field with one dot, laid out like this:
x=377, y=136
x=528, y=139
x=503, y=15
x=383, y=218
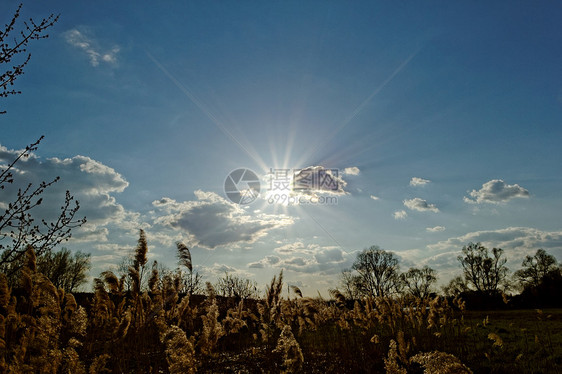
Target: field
x=158, y=330
x=530, y=341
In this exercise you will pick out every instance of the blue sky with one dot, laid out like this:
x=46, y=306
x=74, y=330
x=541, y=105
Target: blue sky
x=447, y=116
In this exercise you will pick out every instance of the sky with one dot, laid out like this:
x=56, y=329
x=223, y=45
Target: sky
x=437, y=122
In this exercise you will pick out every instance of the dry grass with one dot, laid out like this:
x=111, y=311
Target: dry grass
x=43, y=330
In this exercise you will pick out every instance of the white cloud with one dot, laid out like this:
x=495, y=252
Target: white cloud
x=516, y=241
x=374, y=197
x=218, y=270
x=88, y=45
x=212, y=221
x=400, y=214
x=91, y=183
x=326, y=261
x=496, y=191
x=435, y=229
x=312, y=259
x=420, y=205
x=354, y=170
x=265, y=262
x=415, y=181
x=113, y=247
x=290, y=248
x=105, y=261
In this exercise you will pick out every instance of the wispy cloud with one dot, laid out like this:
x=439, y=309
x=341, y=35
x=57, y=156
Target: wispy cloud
x=415, y=181
x=420, y=205
x=91, y=48
x=400, y=214
x=496, y=191
x=435, y=229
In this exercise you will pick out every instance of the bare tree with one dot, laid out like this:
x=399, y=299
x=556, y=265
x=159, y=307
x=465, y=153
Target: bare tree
x=13, y=44
x=484, y=272
x=419, y=282
x=535, y=268
x=63, y=269
x=18, y=228
x=378, y=270
x=351, y=285
x=235, y=286
x=455, y=287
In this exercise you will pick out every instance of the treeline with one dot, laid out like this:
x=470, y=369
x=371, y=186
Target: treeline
x=485, y=283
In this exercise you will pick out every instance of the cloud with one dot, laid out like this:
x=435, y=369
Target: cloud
x=325, y=261
x=415, y=181
x=113, y=247
x=218, y=270
x=265, y=262
x=296, y=247
x=517, y=242
x=420, y=205
x=511, y=237
x=312, y=259
x=88, y=45
x=374, y=197
x=329, y=255
x=435, y=229
x=400, y=214
x=91, y=183
x=256, y=265
x=496, y=191
x=212, y=221
x=317, y=180
x=354, y=170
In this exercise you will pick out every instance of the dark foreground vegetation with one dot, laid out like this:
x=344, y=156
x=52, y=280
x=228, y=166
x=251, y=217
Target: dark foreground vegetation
x=159, y=330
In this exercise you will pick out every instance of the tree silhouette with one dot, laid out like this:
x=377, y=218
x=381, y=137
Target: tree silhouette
x=12, y=46
x=418, y=282
x=63, y=269
x=535, y=268
x=484, y=272
x=378, y=271
x=234, y=286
